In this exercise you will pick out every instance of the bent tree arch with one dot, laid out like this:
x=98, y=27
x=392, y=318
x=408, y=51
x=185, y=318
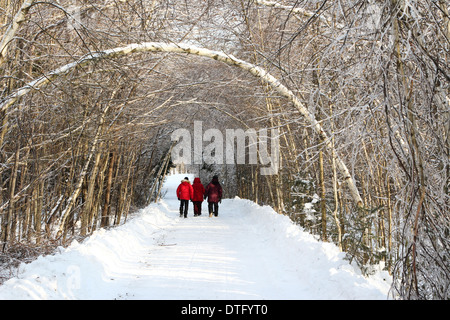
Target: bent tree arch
x=190, y=49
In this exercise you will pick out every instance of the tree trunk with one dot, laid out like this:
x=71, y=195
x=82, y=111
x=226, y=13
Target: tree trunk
x=323, y=208
x=12, y=190
x=107, y=204
x=88, y=204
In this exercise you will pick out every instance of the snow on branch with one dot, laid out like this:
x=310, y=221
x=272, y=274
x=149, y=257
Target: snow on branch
x=301, y=11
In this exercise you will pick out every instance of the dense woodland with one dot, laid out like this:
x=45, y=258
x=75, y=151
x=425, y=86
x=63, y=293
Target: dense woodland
x=85, y=135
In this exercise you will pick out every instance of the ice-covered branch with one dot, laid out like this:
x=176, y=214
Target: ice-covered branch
x=300, y=11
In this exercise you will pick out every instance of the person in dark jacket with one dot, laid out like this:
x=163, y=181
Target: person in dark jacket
x=197, y=199
x=185, y=192
x=214, y=194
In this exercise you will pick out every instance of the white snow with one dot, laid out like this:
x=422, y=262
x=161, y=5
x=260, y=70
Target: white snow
x=247, y=252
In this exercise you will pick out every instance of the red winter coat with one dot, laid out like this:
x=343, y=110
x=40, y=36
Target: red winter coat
x=199, y=190
x=214, y=191
x=185, y=190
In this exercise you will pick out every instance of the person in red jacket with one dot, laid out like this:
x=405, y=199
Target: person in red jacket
x=185, y=192
x=214, y=194
x=197, y=199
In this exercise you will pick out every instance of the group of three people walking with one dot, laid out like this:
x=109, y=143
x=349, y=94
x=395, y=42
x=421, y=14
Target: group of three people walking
x=197, y=193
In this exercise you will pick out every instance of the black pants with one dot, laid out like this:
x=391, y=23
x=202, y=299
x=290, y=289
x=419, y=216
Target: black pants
x=213, y=207
x=184, y=204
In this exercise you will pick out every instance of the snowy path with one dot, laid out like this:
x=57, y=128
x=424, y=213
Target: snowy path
x=248, y=252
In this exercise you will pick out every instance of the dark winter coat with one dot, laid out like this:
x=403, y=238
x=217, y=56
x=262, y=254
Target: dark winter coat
x=185, y=190
x=214, y=191
x=199, y=190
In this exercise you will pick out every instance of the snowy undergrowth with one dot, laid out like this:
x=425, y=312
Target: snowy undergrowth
x=88, y=269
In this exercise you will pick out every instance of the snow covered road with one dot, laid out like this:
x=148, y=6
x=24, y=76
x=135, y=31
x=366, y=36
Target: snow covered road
x=248, y=252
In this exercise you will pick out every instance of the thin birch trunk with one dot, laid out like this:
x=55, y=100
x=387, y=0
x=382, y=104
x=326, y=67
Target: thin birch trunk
x=415, y=153
x=123, y=196
x=87, y=208
x=94, y=214
x=84, y=171
x=323, y=208
x=12, y=190
x=107, y=205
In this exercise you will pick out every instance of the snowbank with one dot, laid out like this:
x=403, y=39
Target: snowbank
x=320, y=266
x=248, y=252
